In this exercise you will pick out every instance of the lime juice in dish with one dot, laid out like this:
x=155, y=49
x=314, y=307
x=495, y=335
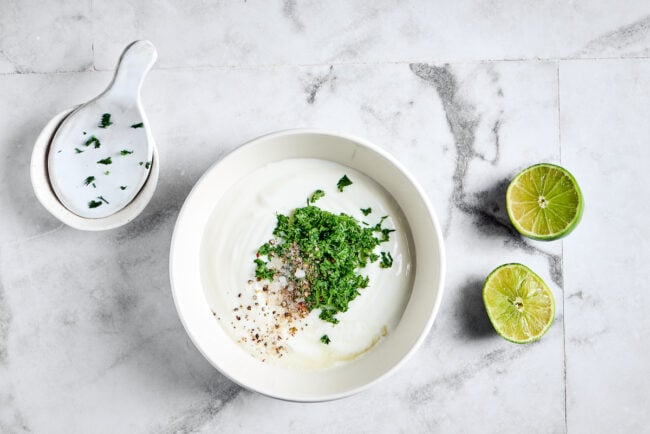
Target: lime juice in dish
x=307, y=263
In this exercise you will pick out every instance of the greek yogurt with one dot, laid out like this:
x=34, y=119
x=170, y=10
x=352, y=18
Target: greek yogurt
x=248, y=309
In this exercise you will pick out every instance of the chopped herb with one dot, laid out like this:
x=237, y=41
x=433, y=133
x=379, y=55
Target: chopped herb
x=125, y=152
x=108, y=172
x=373, y=257
x=386, y=260
x=106, y=120
x=147, y=165
x=141, y=163
x=384, y=234
x=94, y=204
x=366, y=211
x=123, y=187
x=84, y=133
x=89, y=180
x=102, y=199
x=140, y=125
x=58, y=152
x=384, y=231
x=78, y=151
x=377, y=227
x=343, y=182
x=94, y=186
x=315, y=196
x=325, y=339
x=94, y=140
x=106, y=161
x=262, y=271
x=330, y=248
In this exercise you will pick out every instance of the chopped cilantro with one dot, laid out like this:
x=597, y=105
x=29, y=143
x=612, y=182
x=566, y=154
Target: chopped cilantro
x=108, y=172
x=147, y=165
x=315, y=196
x=106, y=161
x=94, y=204
x=141, y=163
x=102, y=199
x=84, y=133
x=140, y=125
x=331, y=247
x=343, y=182
x=95, y=140
x=384, y=234
x=325, y=339
x=377, y=227
x=125, y=152
x=78, y=151
x=106, y=120
x=122, y=187
x=262, y=271
x=89, y=180
x=366, y=211
x=386, y=260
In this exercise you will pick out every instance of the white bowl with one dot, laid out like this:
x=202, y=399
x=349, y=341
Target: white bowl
x=45, y=194
x=277, y=381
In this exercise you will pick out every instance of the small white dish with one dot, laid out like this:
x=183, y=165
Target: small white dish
x=101, y=153
x=45, y=194
x=273, y=379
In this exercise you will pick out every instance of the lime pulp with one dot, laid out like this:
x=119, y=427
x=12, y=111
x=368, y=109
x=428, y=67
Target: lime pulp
x=519, y=304
x=544, y=202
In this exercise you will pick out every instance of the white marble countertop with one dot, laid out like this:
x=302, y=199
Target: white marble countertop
x=464, y=93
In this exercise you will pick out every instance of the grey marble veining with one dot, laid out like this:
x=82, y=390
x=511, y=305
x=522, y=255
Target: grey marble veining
x=311, y=32
x=488, y=206
x=631, y=40
x=89, y=337
x=604, y=111
x=77, y=35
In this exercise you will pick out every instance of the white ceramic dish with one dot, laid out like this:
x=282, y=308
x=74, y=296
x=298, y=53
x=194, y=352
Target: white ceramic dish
x=45, y=194
x=119, y=178
x=272, y=379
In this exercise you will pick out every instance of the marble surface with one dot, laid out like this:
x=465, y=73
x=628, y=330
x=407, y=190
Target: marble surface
x=463, y=93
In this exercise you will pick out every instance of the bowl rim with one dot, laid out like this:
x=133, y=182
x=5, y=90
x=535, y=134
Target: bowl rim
x=431, y=214
x=44, y=192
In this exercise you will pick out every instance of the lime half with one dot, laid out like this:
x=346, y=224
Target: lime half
x=544, y=202
x=519, y=304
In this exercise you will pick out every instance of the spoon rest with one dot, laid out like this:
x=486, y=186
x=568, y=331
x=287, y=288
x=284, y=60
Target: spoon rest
x=102, y=153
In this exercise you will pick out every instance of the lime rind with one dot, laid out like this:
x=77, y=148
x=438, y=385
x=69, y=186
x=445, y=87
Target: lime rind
x=576, y=210
x=505, y=319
